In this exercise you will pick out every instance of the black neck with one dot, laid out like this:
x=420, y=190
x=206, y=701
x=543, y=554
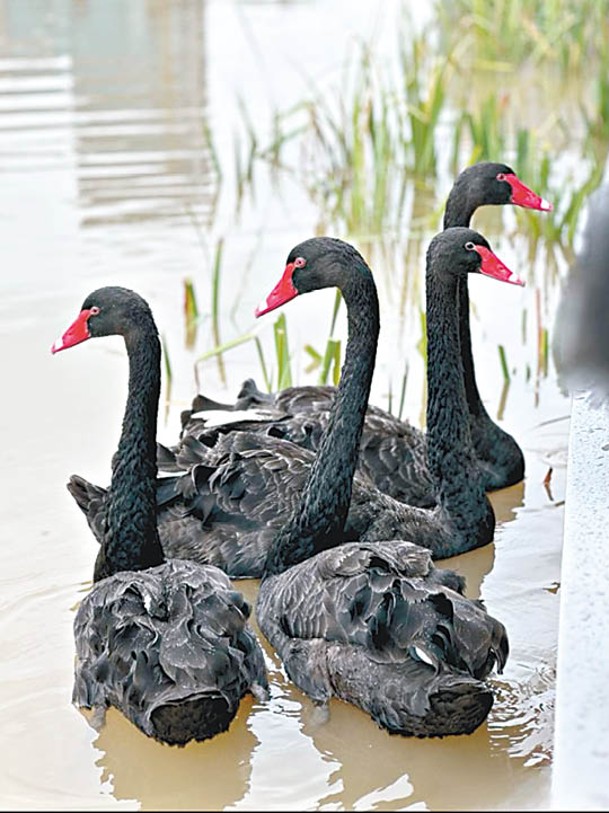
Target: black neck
x=459, y=211
x=451, y=455
x=131, y=541
x=318, y=522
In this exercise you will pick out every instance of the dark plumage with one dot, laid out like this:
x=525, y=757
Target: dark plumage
x=393, y=452
x=237, y=487
x=170, y=647
x=378, y=626
x=166, y=642
x=375, y=623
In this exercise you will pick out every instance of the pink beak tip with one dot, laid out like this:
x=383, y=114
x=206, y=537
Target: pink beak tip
x=262, y=308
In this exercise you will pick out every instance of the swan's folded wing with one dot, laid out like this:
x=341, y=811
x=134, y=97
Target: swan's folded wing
x=156, y=637
x=393, y=455
x=233, y=497
x=390, y=600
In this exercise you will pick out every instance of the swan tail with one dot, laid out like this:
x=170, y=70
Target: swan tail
x=201, y=403
x=91, y=500
x=250, y=396
x=166, y=459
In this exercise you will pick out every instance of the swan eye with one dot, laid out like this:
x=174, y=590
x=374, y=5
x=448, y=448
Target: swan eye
x=299, y=262
x=470, y=246
x=93, y=311
x=501, y=176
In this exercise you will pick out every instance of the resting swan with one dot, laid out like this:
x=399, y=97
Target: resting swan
x=167, y=642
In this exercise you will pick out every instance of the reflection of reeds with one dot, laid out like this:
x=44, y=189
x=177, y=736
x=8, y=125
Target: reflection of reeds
x=542, y=339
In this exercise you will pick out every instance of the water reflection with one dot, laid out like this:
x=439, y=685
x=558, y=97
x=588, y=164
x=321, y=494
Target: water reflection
x=122, y=96
x=212, y=775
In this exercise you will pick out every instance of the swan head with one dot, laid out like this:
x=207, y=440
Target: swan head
x=458, y=250
x=491, y=183
x=319, y=262
x=108, y=311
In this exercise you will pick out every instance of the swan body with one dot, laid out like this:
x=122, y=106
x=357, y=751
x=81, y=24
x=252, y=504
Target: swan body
x=379, y=626
x=170, y=647
x=393, y=453
x=234, y=491
x=167, y=642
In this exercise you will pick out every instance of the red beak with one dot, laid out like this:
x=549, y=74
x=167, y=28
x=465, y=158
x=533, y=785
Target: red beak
x=492, y=266
x=77, y=332
x=281, y=293
x=523, y=196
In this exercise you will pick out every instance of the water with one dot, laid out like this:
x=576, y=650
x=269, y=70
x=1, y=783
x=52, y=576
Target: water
x=107, y=177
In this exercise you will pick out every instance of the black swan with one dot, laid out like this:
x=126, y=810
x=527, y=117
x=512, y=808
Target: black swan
x=165, y=641
x=236, y=488
x=376, y=624
x=392, y=451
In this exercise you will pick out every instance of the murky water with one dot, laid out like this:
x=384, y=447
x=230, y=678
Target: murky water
x=107, y=177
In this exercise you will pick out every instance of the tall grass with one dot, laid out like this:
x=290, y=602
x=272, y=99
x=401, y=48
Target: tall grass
x=485, y=128
x=567, y=32
x=424, y=85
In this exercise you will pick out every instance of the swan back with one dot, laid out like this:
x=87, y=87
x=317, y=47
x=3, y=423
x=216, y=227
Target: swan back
x=170, y=647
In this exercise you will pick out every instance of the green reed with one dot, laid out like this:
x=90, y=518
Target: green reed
x=373, y=140
x=328, y=364
x=263, y=366
x=402, y=399
x=567, y=32
x=353, y=149
x=503, y=361
x=485, y=129
x=424, y=86
x=168, y=373
x=191, y=313
x=282, y=353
